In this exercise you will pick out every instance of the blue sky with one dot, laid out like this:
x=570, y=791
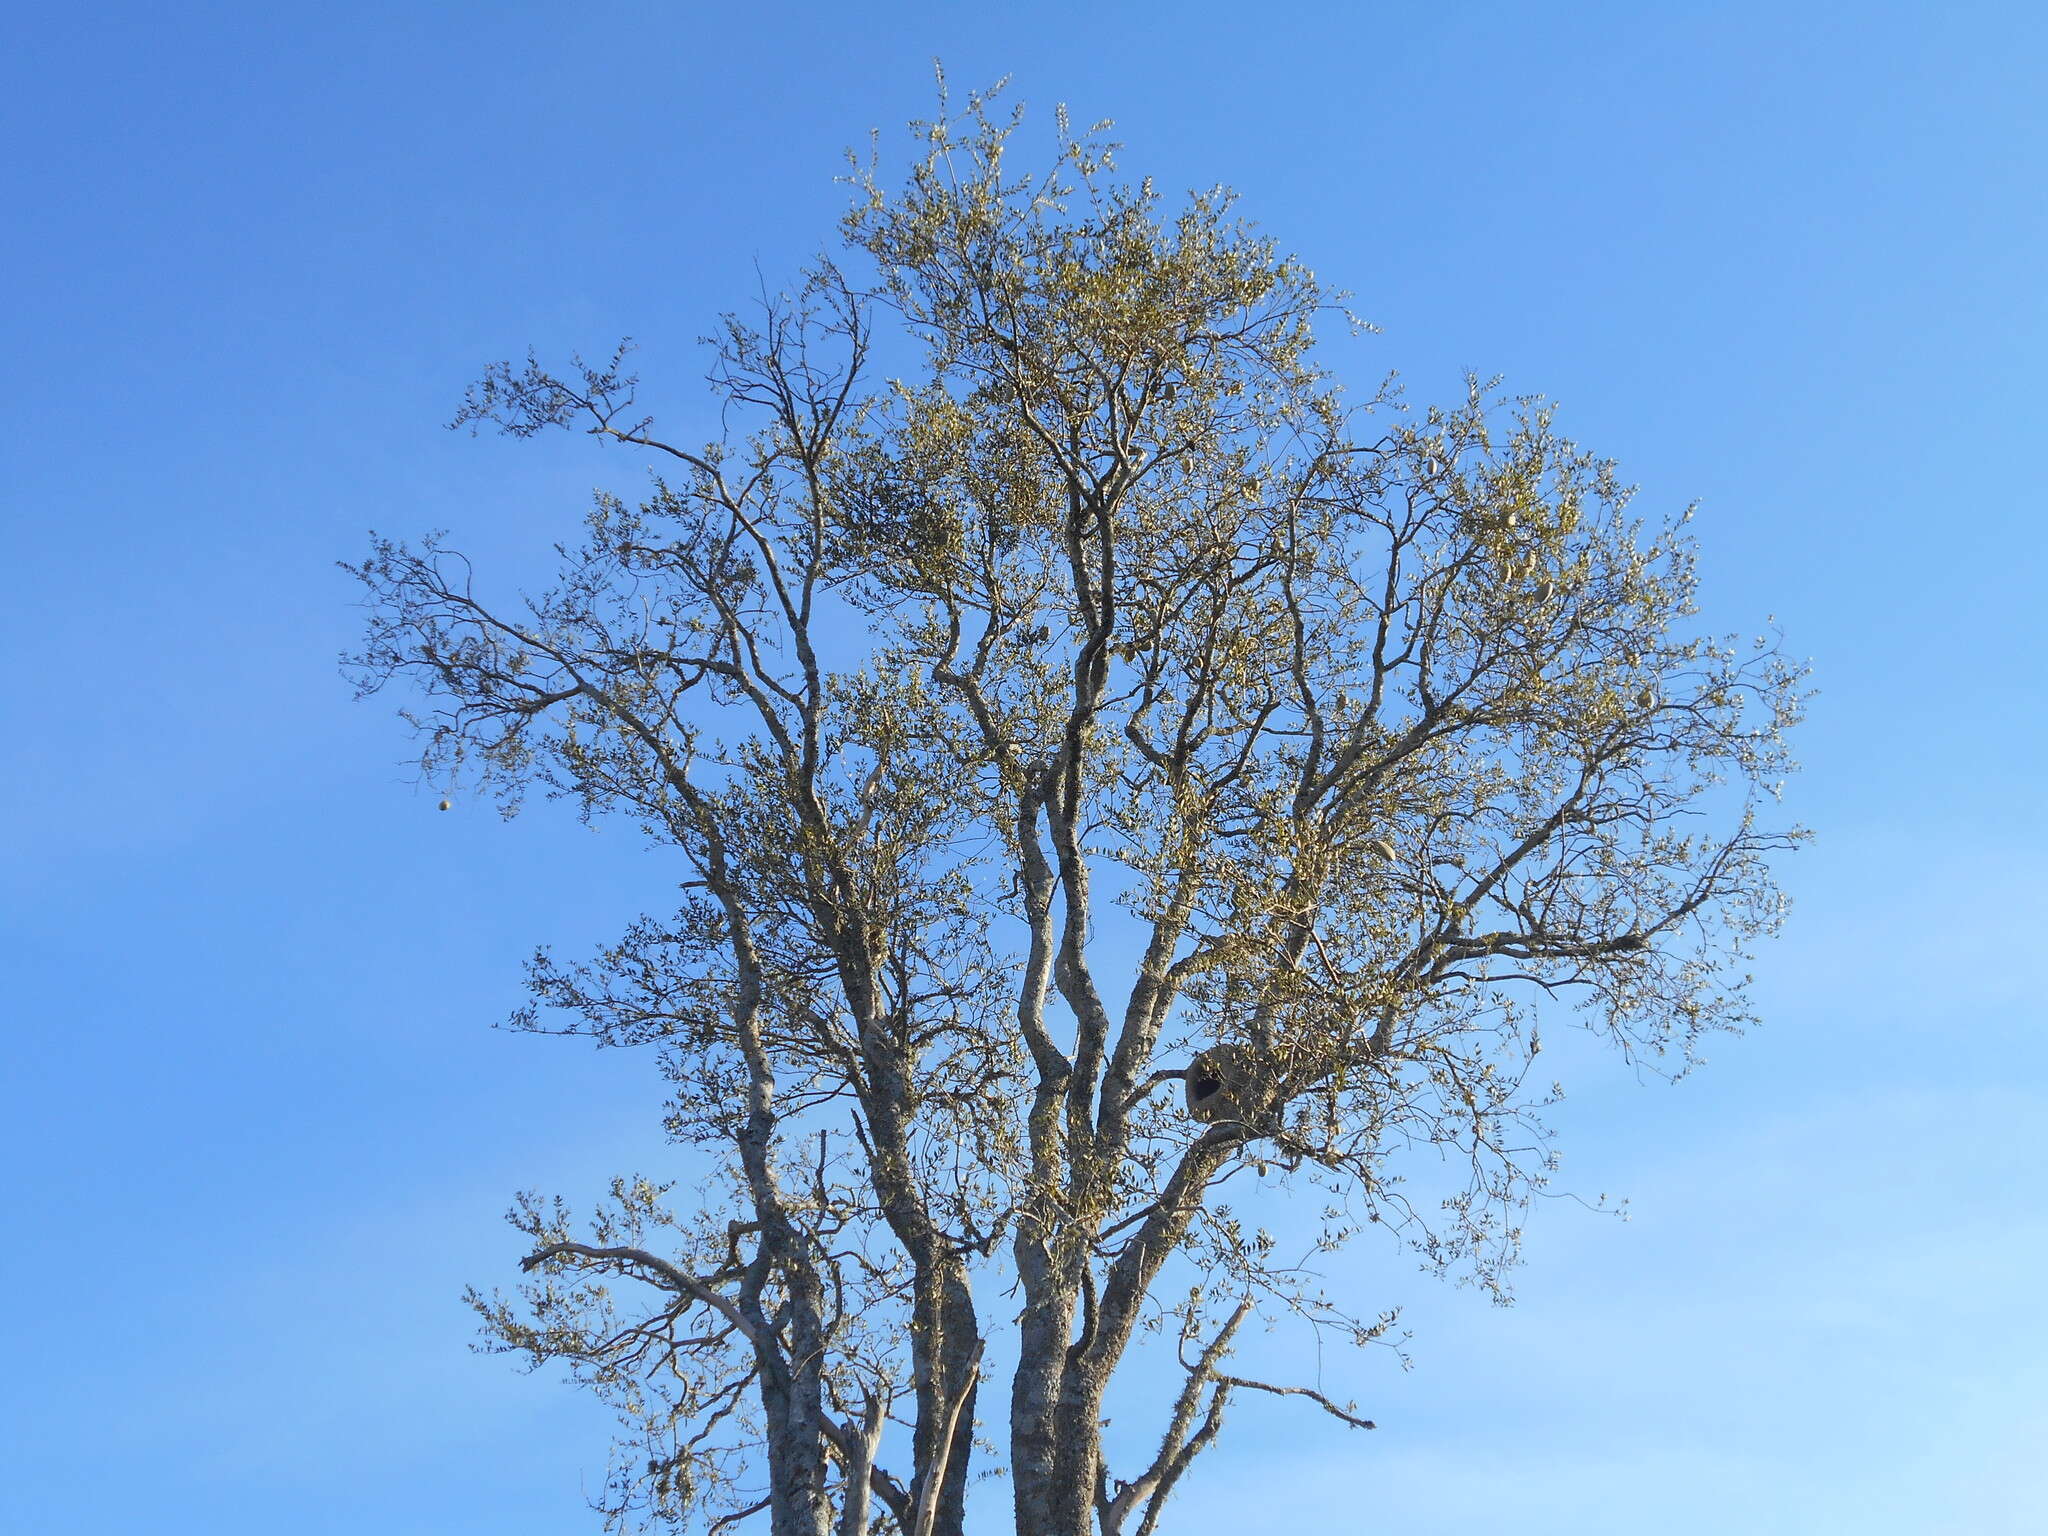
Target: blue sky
x=1783, y=258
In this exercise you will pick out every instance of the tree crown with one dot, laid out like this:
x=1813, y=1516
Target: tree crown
x=1108, y=761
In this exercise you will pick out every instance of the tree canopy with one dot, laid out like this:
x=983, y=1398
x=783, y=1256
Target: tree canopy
x=1128, y=787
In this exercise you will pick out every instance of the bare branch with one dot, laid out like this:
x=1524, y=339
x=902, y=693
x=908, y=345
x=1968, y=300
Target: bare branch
x=1308, y=1392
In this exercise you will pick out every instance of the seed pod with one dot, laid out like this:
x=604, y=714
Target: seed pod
x=447, y=805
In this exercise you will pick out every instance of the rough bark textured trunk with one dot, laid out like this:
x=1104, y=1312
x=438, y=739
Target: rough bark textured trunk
x=1078, y=1466
x=945, y=1332
x=1044, y=1332
x=945, y=1404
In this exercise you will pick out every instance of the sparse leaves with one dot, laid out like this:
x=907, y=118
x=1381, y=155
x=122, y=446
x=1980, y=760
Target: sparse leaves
x=1110, y=699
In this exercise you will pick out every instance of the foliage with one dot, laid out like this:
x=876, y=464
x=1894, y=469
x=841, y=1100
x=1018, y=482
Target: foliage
x=1108, y=692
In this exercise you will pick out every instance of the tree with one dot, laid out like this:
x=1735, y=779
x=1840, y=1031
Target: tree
x=1112, y=769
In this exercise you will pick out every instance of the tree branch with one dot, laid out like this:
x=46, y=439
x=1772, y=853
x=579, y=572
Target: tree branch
x=1308, y=1392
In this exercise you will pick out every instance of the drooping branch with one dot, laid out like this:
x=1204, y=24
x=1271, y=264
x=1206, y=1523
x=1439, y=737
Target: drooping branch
x=1310, y=1393
x=664, y=1274
x=1183, y=1441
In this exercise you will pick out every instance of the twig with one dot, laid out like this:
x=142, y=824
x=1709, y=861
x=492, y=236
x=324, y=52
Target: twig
x=1308, y=1392
x=736, y=1517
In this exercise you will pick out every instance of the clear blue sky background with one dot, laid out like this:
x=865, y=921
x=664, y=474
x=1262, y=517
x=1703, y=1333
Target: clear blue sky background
x=1787, y=258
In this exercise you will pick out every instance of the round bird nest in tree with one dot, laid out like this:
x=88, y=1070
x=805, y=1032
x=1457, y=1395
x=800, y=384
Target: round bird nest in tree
x=1232, y=1084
